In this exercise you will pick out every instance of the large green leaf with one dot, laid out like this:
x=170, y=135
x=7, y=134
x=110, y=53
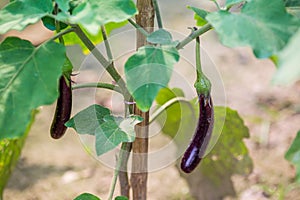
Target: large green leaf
x=29, y=79
x=18, y=14
x=149, y=70
x=293, y=155
x=288, y=62
x=228, y=156
x=91, y=14
x=109, y=130
x=160, y=36
x=265, y=28
x=114, y=131
x=89, y=119
x=86, y=196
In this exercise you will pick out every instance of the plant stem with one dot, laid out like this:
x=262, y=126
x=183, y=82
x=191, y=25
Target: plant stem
x=138, y=27
x=123, y=174
x=57, y=25
x=109, y=67
x=139, y=174
x=216, y=3
x=168, y=104
x=58, y=35
x=198, y=59
x=193, y=35
x=157, y=13
x=107, y=46
x=98, y=85
x=123, y=153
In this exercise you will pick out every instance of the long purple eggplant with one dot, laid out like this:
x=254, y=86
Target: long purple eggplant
x=63, y=109
x=195, y=151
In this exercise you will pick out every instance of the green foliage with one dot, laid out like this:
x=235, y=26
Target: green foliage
x=293, y=155
x=149, y=70
x=89, y=119
x=160, y=36
x=109, y=130
x=87, y=196
x=63, y=5
x=91, y=14
x=113, y=131
x=288, y=62
x=171, y=120
x=28, y=80
x=230, y=155
x=257, y=22
x=200, y=15
x=10, y=151
x=19, y=14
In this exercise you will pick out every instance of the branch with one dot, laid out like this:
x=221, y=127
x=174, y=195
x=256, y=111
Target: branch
x=168, y=104
x=109, y=67
x=193, y=35
x=157, y=12
x=98, y=85
x=138, y=27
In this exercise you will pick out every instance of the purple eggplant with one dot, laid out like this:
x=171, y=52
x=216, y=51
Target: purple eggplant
x=63, y=109
x=199, y=143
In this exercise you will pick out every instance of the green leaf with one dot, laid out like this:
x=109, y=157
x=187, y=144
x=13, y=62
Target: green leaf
x=288, y=70
x=230, y=151
x=257, y=22
x=149, y=70
x=72, y=38
x=200, y=15
x=87, y=196
x=63, y=5
x=293, y=155
x=171, y=118
x=94, y=13
x=89, y=119
x=113, y=131
x=109, y=130
x=28, y=80
x=230, y=3
x=166, y=94
x=121, y=198
x=19, y=14
x=160, y=36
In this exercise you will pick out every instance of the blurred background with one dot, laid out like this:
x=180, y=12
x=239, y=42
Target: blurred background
x=61, y=169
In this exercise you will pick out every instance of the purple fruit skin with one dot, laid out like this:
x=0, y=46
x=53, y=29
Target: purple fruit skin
x=63, y=110
x=198, y=145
